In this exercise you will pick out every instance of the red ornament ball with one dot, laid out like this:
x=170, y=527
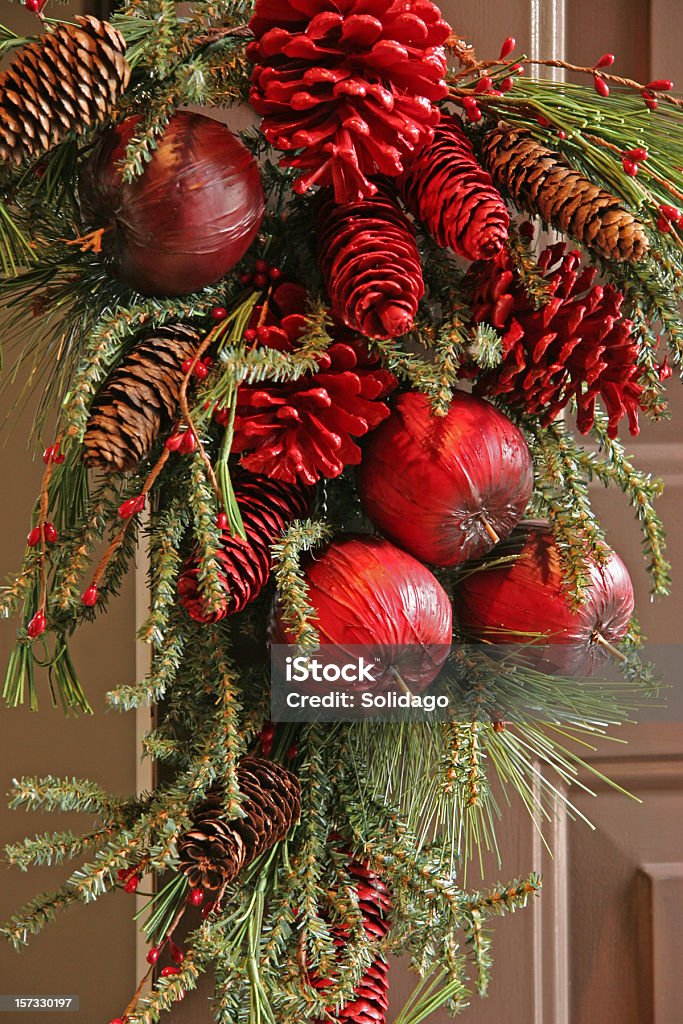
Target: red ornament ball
x=188, y=219
x=446, y=487
x=365, y=591
x=526, y=602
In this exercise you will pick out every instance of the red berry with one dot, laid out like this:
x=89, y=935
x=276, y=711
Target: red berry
x=484, y=84
x=132, y=506
x=665, y=370
x=201, y=371
x=177, y=955
x=174, y=442
x=468, y=102
x=260, y=280
x=153, y=955
x=35, y=6
x=261, y=267
x=37, y=625
x=292, y=751
x=245, y=278
x=89, y=596
x=117, y=1020
x=250, y=335
x=132, y=884
x=663, y=224
x=268, y=731
x=50, y=533
x=543, y=121
x=206, y=910
x=660, y=85
x=33, y=539
x=601, y=86
x=219, y=313
x=605, y=61
x=222, y=521
x=221, y=416
x=507, y=47
x=651, y=102
x=526, y=230
x=122, y=874
x=638, y=154
x=186, y=366
x=168, y=971
x=196, y=897
x=48, y=454
x=517, y=69
x=474, y=114
x=189, y=442
x=561, y=134
x=630, y=167
x=506, y=84
x=274, y=273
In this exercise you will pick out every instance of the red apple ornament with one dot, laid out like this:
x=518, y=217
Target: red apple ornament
x=446, y=488
x=525, y=602
x=365, y=591
x=188, y=219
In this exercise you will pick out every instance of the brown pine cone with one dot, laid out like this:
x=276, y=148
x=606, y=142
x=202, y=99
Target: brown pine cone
x=539, y=181
x=67, y=81
x=139, y=400
x=454, y=196
x=213, y=851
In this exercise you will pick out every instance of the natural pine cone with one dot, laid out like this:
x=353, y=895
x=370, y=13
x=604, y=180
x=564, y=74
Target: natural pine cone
x=454, y=196
x=213, y=851
x=577, y=345
x=541, y=182
x=67, y=81
x=139, y=400
x=267, y=507
x=369, y=259
x=369, y=1002
x=350, y=86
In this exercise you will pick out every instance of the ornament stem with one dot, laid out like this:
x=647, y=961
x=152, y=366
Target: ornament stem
x=600, y=639
x=402, y=685
x=489, y=529
x=92, y=242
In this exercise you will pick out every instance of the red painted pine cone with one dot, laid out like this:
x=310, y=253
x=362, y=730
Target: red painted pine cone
x=305, y=429
x=454, y=196
x=370, y=263
x=370, y=1001
x=576, y=346
x=365, y=591
x=444, y=487
x=525, y=602
x=350, y=86
x=267, y=507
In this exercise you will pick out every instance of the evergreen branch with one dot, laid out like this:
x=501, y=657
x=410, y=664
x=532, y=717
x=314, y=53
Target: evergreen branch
x=297, y=612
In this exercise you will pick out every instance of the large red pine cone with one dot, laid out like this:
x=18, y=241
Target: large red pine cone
x=303, y=430
x=347, y=89
x=454, y=196
x=577, y=346
x=525, y=602
x=370, y=263
x=444, y=487
x=267, y=507
x=365, y=591
x=370, y=1002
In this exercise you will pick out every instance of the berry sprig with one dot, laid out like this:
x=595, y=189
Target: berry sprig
x=263, y=275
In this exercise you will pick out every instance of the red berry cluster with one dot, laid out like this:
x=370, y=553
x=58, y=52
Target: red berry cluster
x=53, y=455
x=183, y=441
x=631, y=160
x=264, y=273
x=200, y=369
x=668, y=216
x=130, y=877
x=46, y=531
x=132, y=506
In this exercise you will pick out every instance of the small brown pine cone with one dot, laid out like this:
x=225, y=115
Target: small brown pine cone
x=370, y=263
x=139, y=399
x=538, y=180
x=454, y=196
x=213, y=851
x=267, y=507
x=67, y=81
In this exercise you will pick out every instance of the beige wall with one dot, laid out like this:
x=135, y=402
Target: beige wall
x=90, y=951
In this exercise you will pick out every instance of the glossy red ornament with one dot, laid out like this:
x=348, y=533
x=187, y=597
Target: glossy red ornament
x=367, y=591
x=347, y=88
x=195, y=897
x=89, y=596
x=37, y=625
x=188, y=219
x=444, y=487
x=525, y=602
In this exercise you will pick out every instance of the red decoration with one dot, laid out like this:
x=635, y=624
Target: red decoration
x=89, y=597
x=370, y=1002
x=576, y=346
x=153, y=955
x=366, y=591
x=445, y=487
x=454, y=196
x=350, y=86
x=304, y=429
x=188, y=219
x=37, y=625
x=369, y=259
x=267, y=506
x=526, y=602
